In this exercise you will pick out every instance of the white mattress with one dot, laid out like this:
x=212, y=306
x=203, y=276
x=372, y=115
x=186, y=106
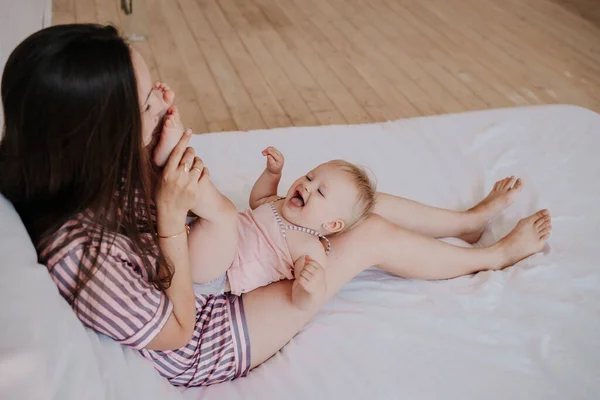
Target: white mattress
x=528, y=332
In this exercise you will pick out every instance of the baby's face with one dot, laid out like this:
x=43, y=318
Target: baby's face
x=321, y=200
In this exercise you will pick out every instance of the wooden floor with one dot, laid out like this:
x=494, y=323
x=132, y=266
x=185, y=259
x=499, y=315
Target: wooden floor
x=252, y=64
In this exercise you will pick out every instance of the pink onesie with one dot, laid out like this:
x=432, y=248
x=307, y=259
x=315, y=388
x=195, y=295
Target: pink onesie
x=263, y=254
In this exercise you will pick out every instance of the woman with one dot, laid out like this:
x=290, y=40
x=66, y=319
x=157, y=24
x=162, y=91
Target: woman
x=82, y=119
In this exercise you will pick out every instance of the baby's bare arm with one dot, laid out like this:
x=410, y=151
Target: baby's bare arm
x=265, y=188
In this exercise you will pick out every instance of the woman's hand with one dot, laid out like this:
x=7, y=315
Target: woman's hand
x=178, y=190
x=275, y=160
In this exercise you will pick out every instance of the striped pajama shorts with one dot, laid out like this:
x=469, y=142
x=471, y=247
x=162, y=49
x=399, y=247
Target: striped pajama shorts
x=219, y=349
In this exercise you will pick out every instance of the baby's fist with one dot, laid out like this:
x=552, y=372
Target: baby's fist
x=275, y=160
x=309, y=286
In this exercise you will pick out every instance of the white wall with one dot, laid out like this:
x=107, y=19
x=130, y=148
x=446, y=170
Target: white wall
x=19, y=19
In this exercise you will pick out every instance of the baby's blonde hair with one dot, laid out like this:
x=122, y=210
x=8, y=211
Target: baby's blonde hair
x=365, y=202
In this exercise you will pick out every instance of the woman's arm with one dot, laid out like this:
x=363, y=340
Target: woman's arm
x=178, y=191
x=267, y=184
x=180, y=326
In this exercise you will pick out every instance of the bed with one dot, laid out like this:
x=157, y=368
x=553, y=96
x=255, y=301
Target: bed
x=528, y=332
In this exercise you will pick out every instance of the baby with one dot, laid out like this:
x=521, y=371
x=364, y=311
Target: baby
x=277, y=238
x=287, y=238
x=280, y=238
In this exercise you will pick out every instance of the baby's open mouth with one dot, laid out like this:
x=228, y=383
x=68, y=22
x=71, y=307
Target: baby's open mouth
x=297, y=199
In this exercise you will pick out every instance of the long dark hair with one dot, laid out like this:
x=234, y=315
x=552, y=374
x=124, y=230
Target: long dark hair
x=72, y=140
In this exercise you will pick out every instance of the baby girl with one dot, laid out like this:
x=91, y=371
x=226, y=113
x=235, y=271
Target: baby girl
x=277, y=238
x=281, y=238
x=287, y=238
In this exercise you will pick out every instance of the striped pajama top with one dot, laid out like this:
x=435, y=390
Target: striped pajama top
x=120, y=302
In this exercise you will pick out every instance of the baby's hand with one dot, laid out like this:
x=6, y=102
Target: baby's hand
x=310, y=286
x=275, y=160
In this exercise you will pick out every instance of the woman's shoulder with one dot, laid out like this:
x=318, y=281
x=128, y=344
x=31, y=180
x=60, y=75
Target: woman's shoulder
x=72, y=236
x=79, y=237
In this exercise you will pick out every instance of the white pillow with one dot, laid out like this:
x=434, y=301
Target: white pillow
x=45, y=351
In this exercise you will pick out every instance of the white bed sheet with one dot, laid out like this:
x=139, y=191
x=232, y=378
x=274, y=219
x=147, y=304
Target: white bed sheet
x=529, y=332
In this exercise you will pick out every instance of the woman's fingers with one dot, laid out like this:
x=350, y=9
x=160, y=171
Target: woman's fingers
x=197, y=169
x=177, y=153
x=187, y=160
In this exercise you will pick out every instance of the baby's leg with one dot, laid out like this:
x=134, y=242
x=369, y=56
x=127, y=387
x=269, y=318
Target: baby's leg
x=213, y=241
x=437, y=222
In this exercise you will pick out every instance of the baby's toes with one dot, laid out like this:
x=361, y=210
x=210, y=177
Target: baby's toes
x=169, y=122
x=168, y=95
x=176, y=116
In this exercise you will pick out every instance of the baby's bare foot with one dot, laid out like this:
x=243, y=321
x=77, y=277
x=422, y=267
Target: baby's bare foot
x=502, y=196
x=169, y=137
x=309, y=286
x=168, y=94
x=528, y=237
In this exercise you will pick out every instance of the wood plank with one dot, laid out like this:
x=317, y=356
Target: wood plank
x=412, y=68
x=453, y=53
x=325, y=76
x=246, y=64
x=85, y=11
x=460, y=71
x=108, y=12
x=206, y=63
x=282, y=88
x=507, y=41
x=63, y=12
x=169, y=65
x=351, y=93
x=492, y=53
x=358, y=74
x=269, y=108
x=371, y=64
x=325, y=111
x=554, y=51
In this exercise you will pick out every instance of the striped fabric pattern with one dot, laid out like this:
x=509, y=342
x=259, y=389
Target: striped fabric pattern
x=120, y=303
x=310, y=231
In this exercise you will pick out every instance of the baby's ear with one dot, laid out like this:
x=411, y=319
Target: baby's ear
x=334, y=226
